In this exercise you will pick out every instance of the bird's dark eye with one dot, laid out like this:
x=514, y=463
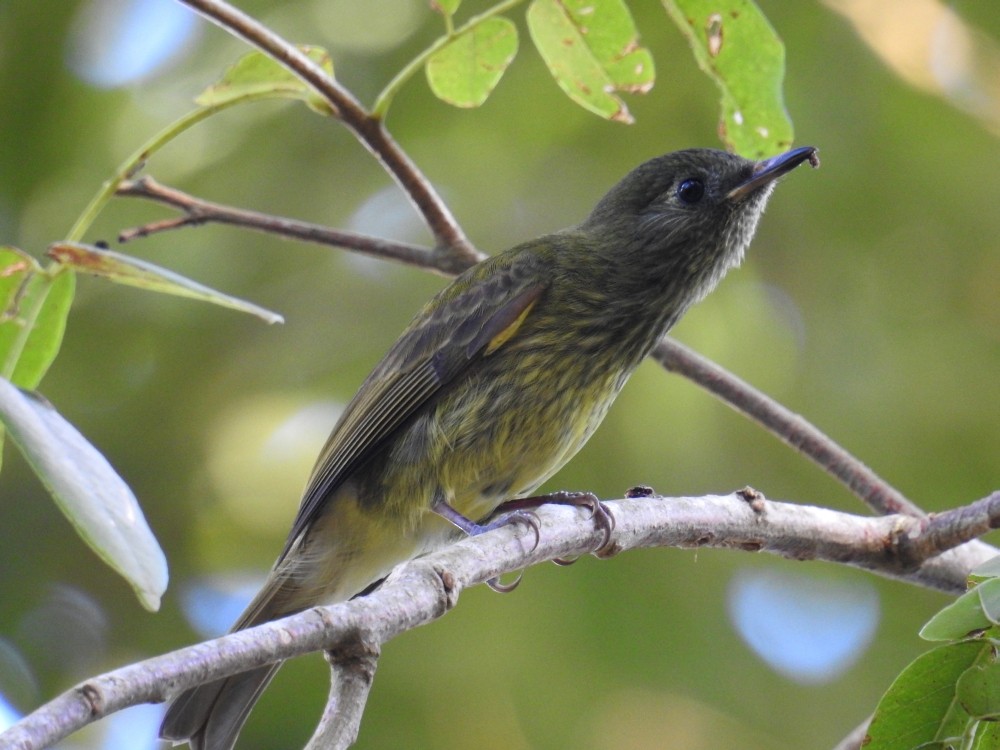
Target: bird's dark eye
x=690, y=191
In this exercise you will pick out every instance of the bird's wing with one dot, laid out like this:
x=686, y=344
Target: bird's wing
x=462, y=323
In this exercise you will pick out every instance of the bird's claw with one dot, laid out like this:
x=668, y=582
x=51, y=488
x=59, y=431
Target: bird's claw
x=598, y=511
x=528, y=518
x=505, y=588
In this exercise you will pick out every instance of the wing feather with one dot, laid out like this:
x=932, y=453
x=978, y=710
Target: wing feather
x=468, y=319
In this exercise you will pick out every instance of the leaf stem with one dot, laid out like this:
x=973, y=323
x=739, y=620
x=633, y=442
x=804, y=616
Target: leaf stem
x=384, y=100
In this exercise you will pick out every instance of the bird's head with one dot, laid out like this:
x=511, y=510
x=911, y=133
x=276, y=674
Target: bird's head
x=685, y=218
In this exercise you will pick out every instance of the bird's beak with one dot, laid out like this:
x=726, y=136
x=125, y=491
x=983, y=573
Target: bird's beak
x=769, y=170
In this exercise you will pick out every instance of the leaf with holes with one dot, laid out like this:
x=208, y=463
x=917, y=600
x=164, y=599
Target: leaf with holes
x=737, y=47
x=591, y=47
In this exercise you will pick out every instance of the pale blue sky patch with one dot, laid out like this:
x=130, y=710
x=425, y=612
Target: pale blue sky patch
x=810, y=629
x=8, y=714
x=213, y=603
x=114, y=43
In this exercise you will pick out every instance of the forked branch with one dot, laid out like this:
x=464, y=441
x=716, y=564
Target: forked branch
x=368, y=129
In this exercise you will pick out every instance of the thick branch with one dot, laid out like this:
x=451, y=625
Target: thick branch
x=424, y=589
x=951, y=528
x=368, y=129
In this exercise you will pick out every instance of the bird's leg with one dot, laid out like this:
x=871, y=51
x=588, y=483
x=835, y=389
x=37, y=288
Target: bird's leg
x=598, y=511
x=443, y=509
x=516, y=515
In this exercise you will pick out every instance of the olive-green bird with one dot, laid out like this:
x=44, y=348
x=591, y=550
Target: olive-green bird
x=495, y=384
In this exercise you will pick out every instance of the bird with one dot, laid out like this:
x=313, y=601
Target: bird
x=493, y=386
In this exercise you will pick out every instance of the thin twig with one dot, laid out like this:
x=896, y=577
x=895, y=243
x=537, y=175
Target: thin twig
x=198, y=211
x=795, y=431
x=424, y=589
x=368, y=129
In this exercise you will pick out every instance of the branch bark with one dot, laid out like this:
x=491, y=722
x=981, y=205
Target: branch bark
x=426, y=588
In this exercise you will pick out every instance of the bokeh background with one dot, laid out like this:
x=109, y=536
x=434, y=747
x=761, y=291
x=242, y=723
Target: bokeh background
x=869, y=303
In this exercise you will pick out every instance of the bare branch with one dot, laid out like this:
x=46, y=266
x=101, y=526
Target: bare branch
x=368, y=129
x=424, y=589
x=951, y=528
x=198, y=211
x=791, y=428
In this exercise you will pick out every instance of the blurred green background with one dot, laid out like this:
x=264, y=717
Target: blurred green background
x=869, y=303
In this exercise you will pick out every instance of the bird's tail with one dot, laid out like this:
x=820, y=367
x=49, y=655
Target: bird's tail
x=210, y=716
x=345, y=552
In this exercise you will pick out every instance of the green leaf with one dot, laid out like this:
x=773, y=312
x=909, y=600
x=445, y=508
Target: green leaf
x=921, y=709
x=591, y=47
x=446, y=7
x=257, y=75
x=978, y=691
x=969, y=613
x=988, y=569
x=466, y=70
x=737, y=47
x=987, y=736
x=124, y=269
x=87, y=490
x=35, y=306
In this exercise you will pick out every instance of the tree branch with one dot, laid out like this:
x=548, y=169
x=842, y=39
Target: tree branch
x=791, y=428
x=424, y=589
x=368, y=129
x=352, y=670
x=951, y=528
x=198, y=211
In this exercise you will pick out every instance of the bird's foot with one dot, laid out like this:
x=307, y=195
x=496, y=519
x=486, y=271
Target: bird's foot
x=598, y=511
x=472, y=528
x=516, y=515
